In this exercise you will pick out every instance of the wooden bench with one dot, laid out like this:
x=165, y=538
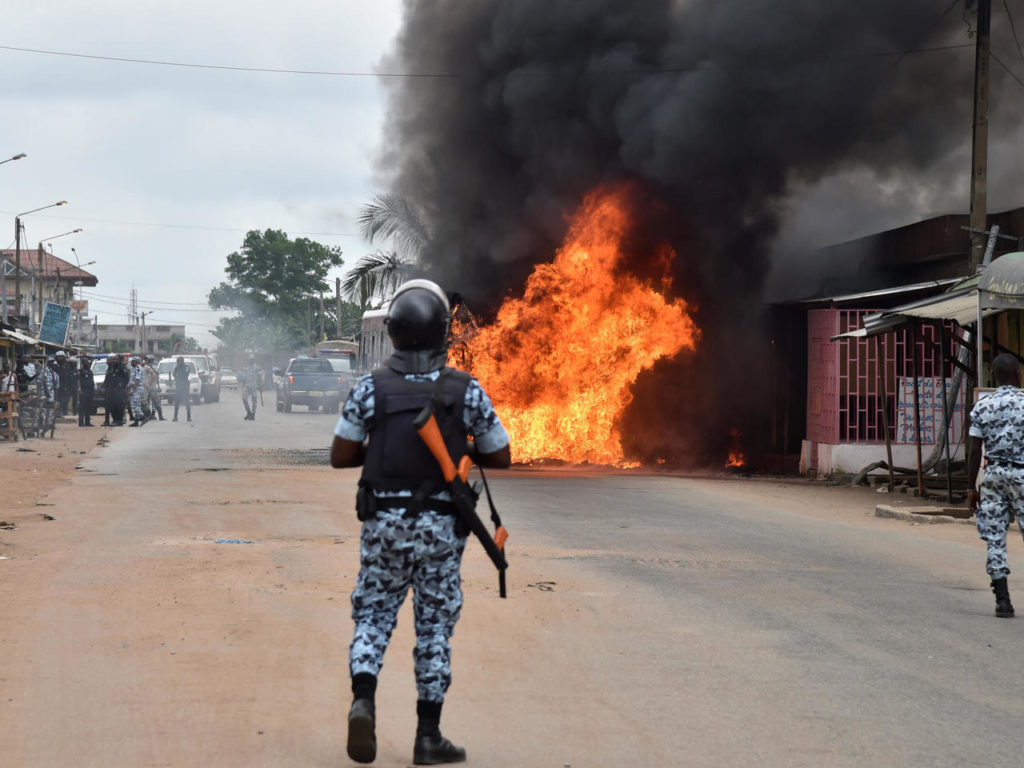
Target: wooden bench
x=9, y=416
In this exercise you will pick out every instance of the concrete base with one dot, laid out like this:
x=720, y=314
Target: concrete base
x=926, y=515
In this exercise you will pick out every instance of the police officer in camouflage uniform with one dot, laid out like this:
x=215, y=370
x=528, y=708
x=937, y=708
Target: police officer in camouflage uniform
x=49, y=386
x=137, y=391
x=250, y=388
x=410, y=537
x=152, y=381
x=998, y=421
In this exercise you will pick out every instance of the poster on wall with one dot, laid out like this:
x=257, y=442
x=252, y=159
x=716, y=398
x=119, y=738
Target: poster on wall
x=56, y=321
x=930, y=397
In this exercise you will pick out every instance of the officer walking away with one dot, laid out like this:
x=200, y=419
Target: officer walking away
x=181, y=393
x=153, y=387
x=250, y=388
x=410, y=537
x=86, y=387
x=997, y=420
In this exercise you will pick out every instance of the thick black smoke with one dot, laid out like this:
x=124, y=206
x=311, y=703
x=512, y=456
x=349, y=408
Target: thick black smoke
x=714, y=108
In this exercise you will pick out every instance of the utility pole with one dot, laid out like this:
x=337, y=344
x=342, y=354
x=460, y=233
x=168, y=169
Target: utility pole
x=133, y=314
x=337, y=307
x=39, y=282
x=309, y=322
x=17, y=266
x=979, y=167
x=145, y=345
x=321, y=317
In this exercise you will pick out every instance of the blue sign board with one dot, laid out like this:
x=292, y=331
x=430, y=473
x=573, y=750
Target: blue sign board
x=56, y=321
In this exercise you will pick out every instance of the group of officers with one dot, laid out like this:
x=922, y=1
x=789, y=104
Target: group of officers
x=132, y=388
x=65, y=385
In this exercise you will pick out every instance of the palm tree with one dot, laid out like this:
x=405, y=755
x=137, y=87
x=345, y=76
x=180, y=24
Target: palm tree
x=391, y=216
x=375, y=276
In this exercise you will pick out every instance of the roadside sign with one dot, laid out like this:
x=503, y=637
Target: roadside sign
x=81, y=306
x=55, y=325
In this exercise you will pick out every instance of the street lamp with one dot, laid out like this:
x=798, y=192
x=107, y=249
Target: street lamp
x=39, y=256
x=78, y=296
x=16, y=157
x=17, y=254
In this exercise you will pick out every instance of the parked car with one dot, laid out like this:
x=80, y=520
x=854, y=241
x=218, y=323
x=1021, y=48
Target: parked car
x=228, y=378
x=167, y=386
x=310, y=381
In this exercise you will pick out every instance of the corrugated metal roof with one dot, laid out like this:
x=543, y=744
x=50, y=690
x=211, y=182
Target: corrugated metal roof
x=893, y=291
x=19, y=337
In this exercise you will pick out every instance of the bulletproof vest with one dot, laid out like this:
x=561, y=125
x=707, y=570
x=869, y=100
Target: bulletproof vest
x=396, y=457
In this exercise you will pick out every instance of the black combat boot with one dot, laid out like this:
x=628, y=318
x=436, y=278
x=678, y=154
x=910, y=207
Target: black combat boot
x=362, y=740
x=431, y=748
x=1004, y=608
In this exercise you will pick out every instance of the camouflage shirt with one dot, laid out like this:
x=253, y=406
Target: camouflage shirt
x=998, y=419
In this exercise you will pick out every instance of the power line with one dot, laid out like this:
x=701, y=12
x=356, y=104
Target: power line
x=460, y=75
x=159, y=303
x=178, y=226
x=1009, y=71
x=924, y=35
x=1013, y=29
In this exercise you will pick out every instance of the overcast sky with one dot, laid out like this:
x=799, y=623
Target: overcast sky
x=164, y=167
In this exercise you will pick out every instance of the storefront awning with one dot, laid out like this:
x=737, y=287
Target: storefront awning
x=1002, y=283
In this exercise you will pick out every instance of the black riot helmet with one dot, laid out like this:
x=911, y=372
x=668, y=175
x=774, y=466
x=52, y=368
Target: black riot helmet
x=418, y=317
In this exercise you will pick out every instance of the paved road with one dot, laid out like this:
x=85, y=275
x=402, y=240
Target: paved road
x=652, y=620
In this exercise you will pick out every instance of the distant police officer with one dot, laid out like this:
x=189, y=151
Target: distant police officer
x=250, y=388
x=86, y=387
x=181, y=393
x=137, y=393
x=998, y=421
x=115, y=385
x=49, y=385
x=409, y=536
x=152, y=381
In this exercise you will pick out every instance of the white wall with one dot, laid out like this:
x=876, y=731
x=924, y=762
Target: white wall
x=852, y=458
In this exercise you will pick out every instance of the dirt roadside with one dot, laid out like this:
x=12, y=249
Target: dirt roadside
x=31, y=469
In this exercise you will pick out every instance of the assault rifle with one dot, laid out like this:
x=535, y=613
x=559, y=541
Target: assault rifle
x=464, y=496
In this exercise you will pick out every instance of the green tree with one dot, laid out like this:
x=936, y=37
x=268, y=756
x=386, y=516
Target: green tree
x=270, y=282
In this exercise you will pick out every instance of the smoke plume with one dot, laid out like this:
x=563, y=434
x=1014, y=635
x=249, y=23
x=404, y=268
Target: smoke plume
x=512, y=110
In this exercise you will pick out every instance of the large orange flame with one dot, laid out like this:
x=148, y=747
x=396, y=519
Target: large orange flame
x=559, y=362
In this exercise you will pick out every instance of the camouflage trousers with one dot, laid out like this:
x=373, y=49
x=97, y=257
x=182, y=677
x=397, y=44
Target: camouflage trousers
x=1002, y=491
x=138, y=401
x=396, y=553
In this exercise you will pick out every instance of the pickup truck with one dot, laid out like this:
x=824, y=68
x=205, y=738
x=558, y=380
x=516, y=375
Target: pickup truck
x=310, y=381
